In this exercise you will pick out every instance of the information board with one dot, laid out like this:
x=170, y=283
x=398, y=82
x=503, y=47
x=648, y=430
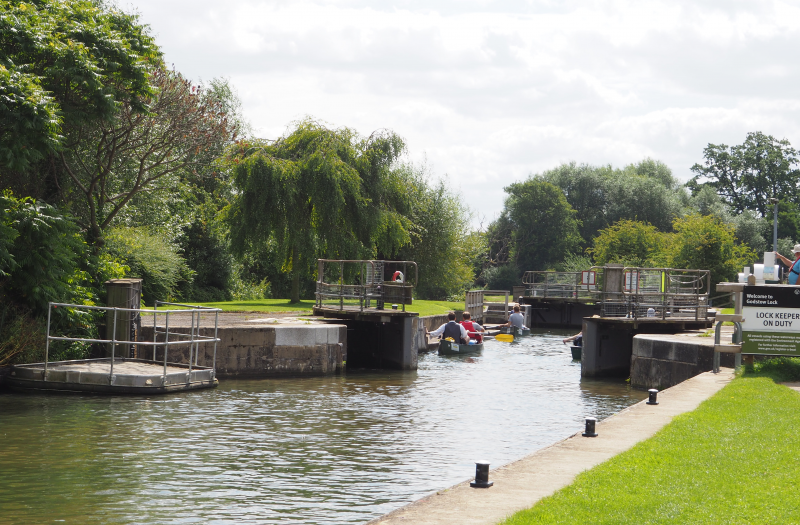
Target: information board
x=771, y=320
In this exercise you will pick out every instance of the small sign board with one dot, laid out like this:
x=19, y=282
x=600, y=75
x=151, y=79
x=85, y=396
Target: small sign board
x=631, y=281
x=588, y=278
x=771, y=320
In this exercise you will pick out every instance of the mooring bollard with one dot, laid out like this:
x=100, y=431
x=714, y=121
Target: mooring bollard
x=590, y=433
x=653, y=394
x=481, y=476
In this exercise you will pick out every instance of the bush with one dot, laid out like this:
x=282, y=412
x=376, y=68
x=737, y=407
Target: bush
x=502, y=277
x=40, y=253
x=152, y=258
x=781, y=369
x=21, y=337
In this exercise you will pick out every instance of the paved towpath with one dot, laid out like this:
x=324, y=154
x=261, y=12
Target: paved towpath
x=521, y=484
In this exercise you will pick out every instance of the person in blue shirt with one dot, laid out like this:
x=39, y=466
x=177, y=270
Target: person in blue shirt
x=794, y=267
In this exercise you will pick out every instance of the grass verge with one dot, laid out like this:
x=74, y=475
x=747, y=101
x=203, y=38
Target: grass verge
x=736, y=459
x=283, y=305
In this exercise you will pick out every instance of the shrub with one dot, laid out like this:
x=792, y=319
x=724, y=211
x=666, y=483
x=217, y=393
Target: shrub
x=152, y=258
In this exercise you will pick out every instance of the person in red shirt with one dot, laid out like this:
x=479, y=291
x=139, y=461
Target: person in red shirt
x=472, y=327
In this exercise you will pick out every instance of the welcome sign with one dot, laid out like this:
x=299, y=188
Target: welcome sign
x=771, y=320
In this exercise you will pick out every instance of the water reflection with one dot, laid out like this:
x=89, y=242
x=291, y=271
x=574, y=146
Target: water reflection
x=318, y=450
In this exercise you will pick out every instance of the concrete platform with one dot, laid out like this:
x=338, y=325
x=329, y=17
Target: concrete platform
x=129, y=376
x=521, y=484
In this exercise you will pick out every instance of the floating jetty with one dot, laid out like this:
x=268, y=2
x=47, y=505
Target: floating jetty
x=104, y=376
x=119, y=372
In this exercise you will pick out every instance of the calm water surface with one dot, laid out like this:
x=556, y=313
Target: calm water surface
x=315, y=450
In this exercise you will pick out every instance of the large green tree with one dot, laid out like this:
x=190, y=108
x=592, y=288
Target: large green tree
x=706, y=243
x=319, y=192
x=632, y=243
x=545, y=227
x=746, y=176
x=109, y=162
x=64, y=62
x=602, y=195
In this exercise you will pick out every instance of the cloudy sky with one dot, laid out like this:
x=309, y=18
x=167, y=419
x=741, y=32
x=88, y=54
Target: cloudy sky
x=489, y=92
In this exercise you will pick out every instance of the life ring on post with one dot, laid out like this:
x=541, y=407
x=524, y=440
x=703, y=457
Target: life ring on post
x=397, y=277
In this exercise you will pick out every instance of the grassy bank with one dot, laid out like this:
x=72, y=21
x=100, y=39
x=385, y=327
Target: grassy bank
x=305, y=307
x=736, y=459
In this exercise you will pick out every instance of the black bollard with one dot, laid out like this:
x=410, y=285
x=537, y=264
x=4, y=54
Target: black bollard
x=379, y=301
x=653, y=394
x=481, y=476
x=590, y=433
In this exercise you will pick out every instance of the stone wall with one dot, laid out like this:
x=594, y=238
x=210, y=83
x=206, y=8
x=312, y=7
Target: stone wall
x=264, y=351
x=662, y=361
x=431, y=322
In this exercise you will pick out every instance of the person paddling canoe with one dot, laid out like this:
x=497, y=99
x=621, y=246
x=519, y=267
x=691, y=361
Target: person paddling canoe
x=472, y=327
x=452, y=329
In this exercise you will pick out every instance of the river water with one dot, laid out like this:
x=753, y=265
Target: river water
x=342, y=449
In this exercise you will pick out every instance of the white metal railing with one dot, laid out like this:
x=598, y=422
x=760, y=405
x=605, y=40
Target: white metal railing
x=563, y=285
x=370, y=282
x=635, y=291
x=666, y=292
x=194, y=339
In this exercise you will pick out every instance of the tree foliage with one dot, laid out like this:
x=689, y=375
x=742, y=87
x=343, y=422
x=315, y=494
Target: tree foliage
x=602, y=195
x=151, y=257
x=698, y=242
x=440, y=238
x=545, y=227
x=632, y=243
x=64, y=62
x=319, y=192
x=707, y=243
x=41, y=254
x=109, y=162
x=749, y=174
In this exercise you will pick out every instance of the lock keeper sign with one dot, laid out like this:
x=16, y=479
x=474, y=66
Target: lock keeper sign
x=771, y=323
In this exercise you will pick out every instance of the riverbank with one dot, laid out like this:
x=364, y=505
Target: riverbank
x=733, y=460
x=519, y=485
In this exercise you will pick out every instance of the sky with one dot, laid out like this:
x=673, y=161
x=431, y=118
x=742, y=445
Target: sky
x=488, y=93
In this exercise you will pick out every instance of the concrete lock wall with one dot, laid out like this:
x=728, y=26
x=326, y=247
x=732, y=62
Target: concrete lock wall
x=263, y=351
x=662, y=361
x=429, y=322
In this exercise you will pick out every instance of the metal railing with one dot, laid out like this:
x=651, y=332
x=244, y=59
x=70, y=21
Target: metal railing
x=359, y=283
x=194, y=337
x=563, y=285
x=631, y=292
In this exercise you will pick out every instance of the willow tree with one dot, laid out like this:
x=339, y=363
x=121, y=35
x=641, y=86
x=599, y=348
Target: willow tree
x=319, y=192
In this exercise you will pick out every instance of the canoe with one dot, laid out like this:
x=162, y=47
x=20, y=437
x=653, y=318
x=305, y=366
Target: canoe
x=516, y=332
x=451, y=348
x=576, y=352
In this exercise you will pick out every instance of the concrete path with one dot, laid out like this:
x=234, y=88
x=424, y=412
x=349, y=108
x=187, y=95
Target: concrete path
x=521, y=484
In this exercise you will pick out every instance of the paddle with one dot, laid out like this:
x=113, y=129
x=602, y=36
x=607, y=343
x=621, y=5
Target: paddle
x=506, y=338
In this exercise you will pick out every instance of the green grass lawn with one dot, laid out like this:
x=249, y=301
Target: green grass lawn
x=282, y=305
x=736, y=459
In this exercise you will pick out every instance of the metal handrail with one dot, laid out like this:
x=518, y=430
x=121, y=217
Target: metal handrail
x=364, y=291
x=671, y=289
x=194, y=336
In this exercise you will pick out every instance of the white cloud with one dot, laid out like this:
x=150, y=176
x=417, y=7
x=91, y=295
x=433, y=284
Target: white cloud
x=488, y=91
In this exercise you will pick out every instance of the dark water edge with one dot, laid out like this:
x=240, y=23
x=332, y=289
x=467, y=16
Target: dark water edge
x=341, y=449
